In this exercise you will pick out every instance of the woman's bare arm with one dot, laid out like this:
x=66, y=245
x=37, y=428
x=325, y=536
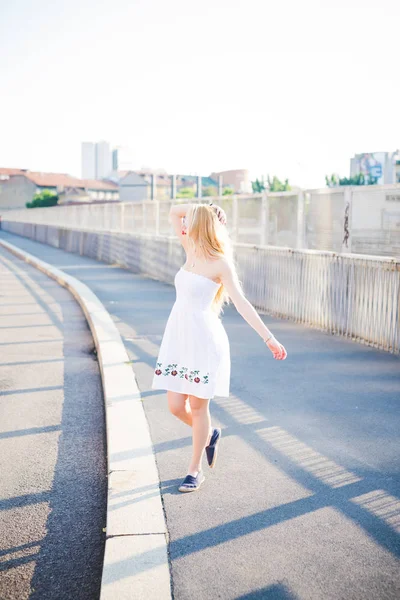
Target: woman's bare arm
x=247, y=310
x=180, y=210
x=176, y=213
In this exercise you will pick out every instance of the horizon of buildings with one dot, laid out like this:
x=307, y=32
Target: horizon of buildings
x=106, y=181
x=19, y=186
x=382, y=166
x=100, y=162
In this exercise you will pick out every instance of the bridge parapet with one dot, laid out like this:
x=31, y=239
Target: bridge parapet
x=356, y=296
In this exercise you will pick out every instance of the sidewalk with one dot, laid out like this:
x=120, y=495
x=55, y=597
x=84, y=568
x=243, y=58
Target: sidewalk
x=52, y=442
x=307, y=477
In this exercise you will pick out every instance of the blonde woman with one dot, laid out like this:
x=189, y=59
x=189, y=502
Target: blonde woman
x=193, y=362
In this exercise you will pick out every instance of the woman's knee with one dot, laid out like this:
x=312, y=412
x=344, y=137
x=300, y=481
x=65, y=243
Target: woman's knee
x=176, y=403
x=198, y=405
x=176, y=409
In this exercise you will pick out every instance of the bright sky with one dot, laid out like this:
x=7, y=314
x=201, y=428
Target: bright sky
x=281, y=87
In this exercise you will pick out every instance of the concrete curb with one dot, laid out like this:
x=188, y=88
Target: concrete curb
x=136, y=558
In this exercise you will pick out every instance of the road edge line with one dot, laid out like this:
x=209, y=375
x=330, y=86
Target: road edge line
x=136, y=562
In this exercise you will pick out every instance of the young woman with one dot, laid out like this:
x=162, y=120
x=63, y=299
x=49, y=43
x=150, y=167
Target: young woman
x=193, y=363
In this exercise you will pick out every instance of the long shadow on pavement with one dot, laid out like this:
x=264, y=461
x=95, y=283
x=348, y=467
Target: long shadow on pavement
x=68, y=560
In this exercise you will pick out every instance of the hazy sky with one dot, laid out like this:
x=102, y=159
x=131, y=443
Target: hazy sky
x=285, y=87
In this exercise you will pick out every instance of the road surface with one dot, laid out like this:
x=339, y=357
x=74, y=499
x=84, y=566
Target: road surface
x=52, y=442
x=304, y=500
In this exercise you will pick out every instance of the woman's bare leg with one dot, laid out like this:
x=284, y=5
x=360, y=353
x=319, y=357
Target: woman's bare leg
x=201, y=431
x=180, y=407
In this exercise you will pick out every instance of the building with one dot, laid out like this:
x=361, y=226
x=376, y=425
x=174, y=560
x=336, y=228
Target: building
x=6, y=200
x=96, y=160
x=88, y=160
x=237, y=179
x=136, y=186
x=20, y=186
x=115, y=160
x=103, y=160
x=385, y=166
x=5, y=174
x=122, y=159
x=140, y=185
x=132, y=186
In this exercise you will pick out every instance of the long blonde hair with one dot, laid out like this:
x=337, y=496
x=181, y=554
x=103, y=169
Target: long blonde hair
x=209, y=237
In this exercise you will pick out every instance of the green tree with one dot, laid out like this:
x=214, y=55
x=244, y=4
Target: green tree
x=276, y=185
x=272, y=185
x=258, y=185
x=43, y=199
x=211, y=190
x=227, y=191
x=186, y=192
x=332, y=181
x=360, y=179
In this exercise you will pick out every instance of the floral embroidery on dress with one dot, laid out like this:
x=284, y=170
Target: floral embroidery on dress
x=182, y=372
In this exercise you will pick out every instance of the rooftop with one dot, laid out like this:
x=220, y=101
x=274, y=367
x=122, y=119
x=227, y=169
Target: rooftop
x=12, y=171
x=55, y=180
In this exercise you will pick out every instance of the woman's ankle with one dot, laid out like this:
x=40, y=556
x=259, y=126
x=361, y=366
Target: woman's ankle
x=194, y=471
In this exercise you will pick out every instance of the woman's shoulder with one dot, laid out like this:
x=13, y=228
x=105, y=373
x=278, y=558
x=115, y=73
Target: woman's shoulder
x=222, y=265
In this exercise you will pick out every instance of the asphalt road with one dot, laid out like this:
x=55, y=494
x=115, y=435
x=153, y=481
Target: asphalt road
x=52, y=442
x=305, y=500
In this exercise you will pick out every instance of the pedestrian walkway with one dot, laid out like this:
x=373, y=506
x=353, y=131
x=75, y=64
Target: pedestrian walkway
x=52, y=443
x=304, y=502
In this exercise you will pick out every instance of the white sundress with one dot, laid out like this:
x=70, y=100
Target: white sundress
x=194, y=356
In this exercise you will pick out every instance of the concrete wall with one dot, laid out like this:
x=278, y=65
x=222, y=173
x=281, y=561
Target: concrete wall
x=374, y=223
x=315, y=219
x=16, y=192
x=324, y=214
x=375, y=220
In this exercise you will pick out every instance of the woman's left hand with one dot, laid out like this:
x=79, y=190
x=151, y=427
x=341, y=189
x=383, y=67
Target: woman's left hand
x=278, y=351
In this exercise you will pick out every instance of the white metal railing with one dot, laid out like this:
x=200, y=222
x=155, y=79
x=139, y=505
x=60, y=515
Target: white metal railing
x=352, y=295
x=363, y=219
x=276, y=219
x=247, y=217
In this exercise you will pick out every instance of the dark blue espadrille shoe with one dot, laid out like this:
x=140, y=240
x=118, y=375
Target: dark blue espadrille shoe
x=192, y=483
x=212, y=448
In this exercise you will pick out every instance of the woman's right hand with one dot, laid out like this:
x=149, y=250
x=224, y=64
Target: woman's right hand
x=221, y=214
x=277, y=349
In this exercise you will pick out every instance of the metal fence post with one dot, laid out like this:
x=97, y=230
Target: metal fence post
x=199, y=186
x=122, y=216
x=173, y=187
x=300, y=221
x=157, y=217
x=144, y=217
x=264, y=219
x=220, y=185
x=234, y=218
